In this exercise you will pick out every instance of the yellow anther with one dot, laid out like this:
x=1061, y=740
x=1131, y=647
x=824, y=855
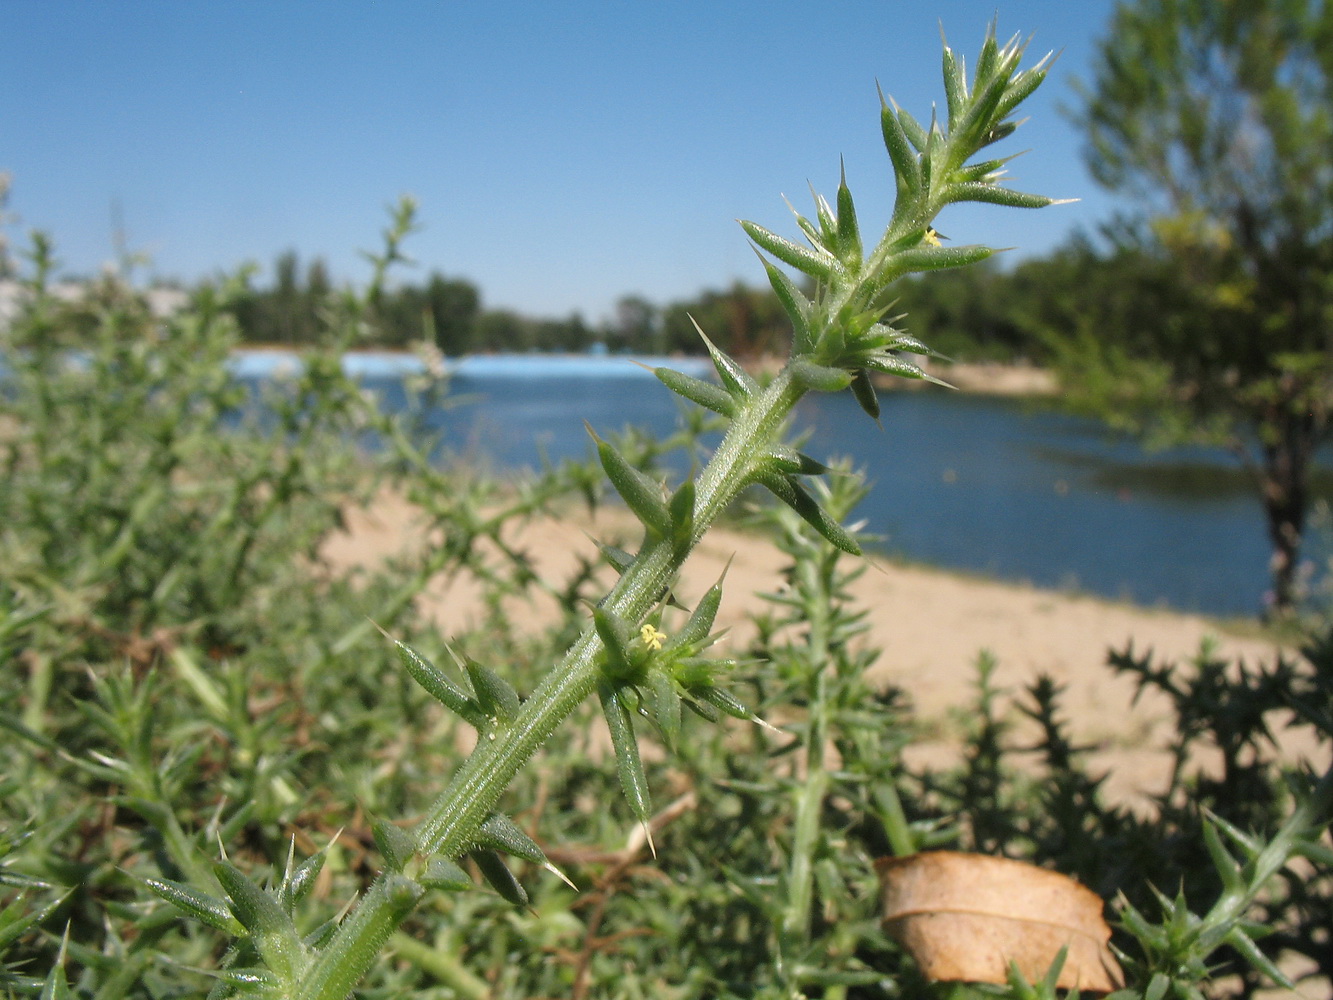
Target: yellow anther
x=651, y=637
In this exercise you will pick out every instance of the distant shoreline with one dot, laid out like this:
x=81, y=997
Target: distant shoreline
x=997, y=379
x=989, y=378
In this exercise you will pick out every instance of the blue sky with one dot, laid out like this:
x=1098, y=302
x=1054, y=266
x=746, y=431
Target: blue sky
x=563, y=154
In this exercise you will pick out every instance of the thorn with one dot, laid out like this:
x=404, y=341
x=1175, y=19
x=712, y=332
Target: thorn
x=766, y=724
x=458, y=662
x=560, y=875
x=648, y=832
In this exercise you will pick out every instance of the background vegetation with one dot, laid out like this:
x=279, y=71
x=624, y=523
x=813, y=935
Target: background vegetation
x=184, y=668
x=190, y=677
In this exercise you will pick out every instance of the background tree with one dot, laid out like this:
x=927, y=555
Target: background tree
x=636, y=326
x=1218, y=117
x=743, y=321
x=454, y=305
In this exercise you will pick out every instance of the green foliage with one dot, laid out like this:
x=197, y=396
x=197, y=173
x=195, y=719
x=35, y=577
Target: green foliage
x=1215, y=117
x=192, y=677
x=170, y=627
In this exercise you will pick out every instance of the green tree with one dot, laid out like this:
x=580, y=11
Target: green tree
x=636, y=326
x=744, y=321
x=454, y=305
x=504, y=330
x=286, y=301
x=1216, y=117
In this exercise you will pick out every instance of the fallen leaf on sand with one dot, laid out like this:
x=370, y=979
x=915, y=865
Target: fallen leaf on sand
x=968, y=916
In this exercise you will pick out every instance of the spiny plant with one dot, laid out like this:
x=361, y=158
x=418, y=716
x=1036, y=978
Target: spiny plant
x=638, y=664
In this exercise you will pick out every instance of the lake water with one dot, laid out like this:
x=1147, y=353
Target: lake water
x=964, y=482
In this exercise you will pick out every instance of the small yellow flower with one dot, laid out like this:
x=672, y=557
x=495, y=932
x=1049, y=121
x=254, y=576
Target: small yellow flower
x=933, y=236
x=651, y=637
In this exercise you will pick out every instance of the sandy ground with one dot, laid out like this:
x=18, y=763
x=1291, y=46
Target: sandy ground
x=930, y=624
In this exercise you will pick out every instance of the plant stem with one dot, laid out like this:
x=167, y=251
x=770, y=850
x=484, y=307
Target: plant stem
x=810, y=800
x=452, y=821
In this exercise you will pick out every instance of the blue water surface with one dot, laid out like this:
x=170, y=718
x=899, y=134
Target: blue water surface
x=964, y=482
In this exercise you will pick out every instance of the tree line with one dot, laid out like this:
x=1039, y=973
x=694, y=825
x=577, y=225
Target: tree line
x=991, y=312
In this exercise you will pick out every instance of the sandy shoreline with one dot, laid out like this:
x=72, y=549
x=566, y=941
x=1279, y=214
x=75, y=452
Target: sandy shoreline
x=931, y=625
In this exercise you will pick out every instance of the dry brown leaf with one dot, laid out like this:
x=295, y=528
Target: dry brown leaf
x=967, y=916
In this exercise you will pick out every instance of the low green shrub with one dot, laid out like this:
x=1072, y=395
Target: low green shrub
x=202, y=719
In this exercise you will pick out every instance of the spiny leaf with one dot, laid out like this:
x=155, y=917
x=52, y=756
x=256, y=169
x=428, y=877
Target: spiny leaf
x=864, y=391
x=296, y=883
x=443, y=874
x=495, y=695
x=706, y=394
x=990, y=194
x=258, y=912
x=812, y=262
x=890, y=365
x=793, y=462
x=616, y=638
x=917, y=136
x=438, y=686
x=828, y=225
x=794, y=304
x=1233, y=879
x=931, y=258
x=665, y=701
x=725, y=701
x=700, y=622
x=896, y=340
x=500, y=833
x=807, y=227
x=1248, y=950
x=819, y=378
x=987, y=170
x=1251, y=846
x=269, y=925
x=703, y=710
x=682, y=518
x=56, y=985
x=501, y=879
x=790, y=492
x=206, y=909
x=641, y=493
x=849, y=233
x=1022, y=86
x=395, y=844
x=905, y=164
x=619, y=559
x=955, y=85
x=629, y=766
x=735, y=379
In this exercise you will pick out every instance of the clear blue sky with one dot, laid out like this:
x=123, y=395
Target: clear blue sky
x=563, y=154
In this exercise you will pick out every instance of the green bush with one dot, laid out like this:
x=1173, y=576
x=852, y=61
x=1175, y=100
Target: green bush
x=202, y=720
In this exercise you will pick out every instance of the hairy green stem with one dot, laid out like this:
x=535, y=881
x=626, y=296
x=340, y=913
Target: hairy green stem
x=451, y=823
x=810, y=799
x=443, y=966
